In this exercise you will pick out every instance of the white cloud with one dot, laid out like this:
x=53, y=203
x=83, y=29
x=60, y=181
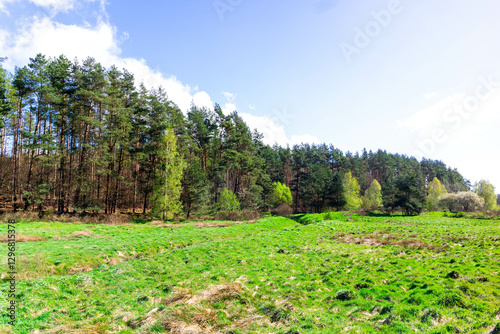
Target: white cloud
x=46, y=36
x=455, y=115
x=202, y=99
x=3, y=7
x=228, y=108
x=4, y=36
x=55, y=5
x=459, y=130
x=43, y=35
x=230, y=97
x=275, y=133
x=432, y=116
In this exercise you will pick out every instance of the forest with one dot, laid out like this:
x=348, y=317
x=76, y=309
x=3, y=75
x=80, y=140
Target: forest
x=76, y=137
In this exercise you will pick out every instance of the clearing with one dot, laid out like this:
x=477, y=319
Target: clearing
x=320, y=274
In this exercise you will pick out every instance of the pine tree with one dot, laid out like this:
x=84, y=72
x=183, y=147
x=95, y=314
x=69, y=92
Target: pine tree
x=5, y=104
x=409, y=194
x=336, y=192
x=77, y=136
x=389, y=193
x=195, y=192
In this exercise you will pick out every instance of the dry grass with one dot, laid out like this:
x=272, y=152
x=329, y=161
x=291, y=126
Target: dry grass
x=243, y=223
x=254, y=320
x=178, y=295
x=157, y=222
x=23, y=238
x=189, y=316
x=75, y=328
x=114, y=219
x=5, y=330
x=78, y=234
x=209, y=224
x=79, y=269
x=197, y=224
x=217, y=293
x=176, y=326
x=172, y=226
x=380, y=238
x=34, y=266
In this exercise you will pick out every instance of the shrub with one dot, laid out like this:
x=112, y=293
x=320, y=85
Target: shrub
x=238, y=215
x=464, y=201
x=283, y=210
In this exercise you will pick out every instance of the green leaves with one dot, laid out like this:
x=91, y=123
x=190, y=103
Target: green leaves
x=487, y=191
x=167, y=189
x=228, y=202
x=281, y=194
x=435, y=189
x=373, y=196
x=352, y=189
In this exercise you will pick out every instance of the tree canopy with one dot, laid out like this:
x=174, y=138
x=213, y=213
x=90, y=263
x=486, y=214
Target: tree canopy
x=280, y=194
x=78, y=137
x=435, y=189
x=373, y=196
x=486, y=191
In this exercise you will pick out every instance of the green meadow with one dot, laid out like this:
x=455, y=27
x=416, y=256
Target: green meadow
x=323, y=273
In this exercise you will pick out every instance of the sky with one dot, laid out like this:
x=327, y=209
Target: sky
x=415, y=77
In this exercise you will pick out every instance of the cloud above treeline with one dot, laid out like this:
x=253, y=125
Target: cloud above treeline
x=42, y=33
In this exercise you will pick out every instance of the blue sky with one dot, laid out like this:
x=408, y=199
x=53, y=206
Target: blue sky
x=412, y=77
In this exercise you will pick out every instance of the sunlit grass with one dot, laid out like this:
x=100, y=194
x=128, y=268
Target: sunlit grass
x=336, y=274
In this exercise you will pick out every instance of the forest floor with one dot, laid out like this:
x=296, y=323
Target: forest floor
x=315, y=274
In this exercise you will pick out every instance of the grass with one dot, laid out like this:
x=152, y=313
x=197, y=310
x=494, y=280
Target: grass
x=332, y=273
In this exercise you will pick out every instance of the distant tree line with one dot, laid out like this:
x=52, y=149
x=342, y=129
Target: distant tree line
x=77, y=137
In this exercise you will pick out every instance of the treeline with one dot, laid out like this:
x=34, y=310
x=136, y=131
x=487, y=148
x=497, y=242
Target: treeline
x=79, y=137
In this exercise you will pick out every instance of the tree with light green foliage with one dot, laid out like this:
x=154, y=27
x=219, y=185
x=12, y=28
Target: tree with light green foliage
x=281, y=194
x=170, y=168
x=373, y=196
x=352, y=189
x=487, y=191
x=435, y=189
x=228, y=202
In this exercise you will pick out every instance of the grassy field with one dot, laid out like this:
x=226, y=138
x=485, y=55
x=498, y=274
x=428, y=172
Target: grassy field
x=318, y=274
